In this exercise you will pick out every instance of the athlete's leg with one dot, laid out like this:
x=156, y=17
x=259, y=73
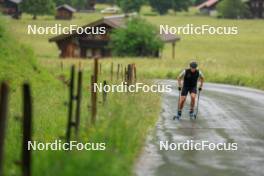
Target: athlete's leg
x=193, y=97
x=181, y=104
x=182, y=101
x=193, y=92
x=184, y=93
x=182, y=98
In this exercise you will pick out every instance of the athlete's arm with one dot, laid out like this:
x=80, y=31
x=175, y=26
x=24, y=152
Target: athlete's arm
x=180, y=77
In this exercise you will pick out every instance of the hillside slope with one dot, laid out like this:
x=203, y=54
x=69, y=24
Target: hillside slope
x=17, y=61
x=17, y=66
x=122, y=124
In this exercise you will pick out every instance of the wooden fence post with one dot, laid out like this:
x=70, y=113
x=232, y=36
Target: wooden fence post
x=125, y=75
x=112, y=71
x=122, y=72
x=94, y=80
x=117, y=73
x=71, y=96
x=129, y=74
x=27, y=130
x=135, y=73
x=96, y=69
x=3, y=117
x=104, y=93
x=93, y=100
x=79, y=99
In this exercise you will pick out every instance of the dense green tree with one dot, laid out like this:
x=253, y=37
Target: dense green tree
x=59, y=2
x=139, y=38
x=38, y=7
x=130, y=5
x=177, y=5
x=106, y=1
x=161, y=7
x=79, y=4
x=232, y=9
x=181, y=5
x=69, y=2
x=197, y=2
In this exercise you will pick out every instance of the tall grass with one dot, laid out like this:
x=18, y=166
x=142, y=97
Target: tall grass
x=122, y=123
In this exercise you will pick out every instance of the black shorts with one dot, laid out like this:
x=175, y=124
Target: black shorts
x=186, y=90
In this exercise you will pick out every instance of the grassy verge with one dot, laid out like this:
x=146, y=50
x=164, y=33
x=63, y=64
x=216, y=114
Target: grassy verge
x=240, y=71
x=122, y=123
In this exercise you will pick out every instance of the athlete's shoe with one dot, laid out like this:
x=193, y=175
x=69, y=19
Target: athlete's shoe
x=192, y=114
x=178, y=116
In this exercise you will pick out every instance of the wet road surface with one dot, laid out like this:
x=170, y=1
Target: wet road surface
x=227, y=114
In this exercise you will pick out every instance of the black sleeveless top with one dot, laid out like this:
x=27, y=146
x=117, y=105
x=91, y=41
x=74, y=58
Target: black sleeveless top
x=191, y=78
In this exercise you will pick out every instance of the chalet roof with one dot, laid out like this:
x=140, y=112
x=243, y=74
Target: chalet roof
x=67, y=7
x=169, y=38
x=208, y=3
x=112, y=23
x=16, y=1
x=115, y=22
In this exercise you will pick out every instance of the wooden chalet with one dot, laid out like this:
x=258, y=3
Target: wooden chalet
x=64, y=12
x=208, y=7
x=90, y=45
x=10, y=7
x=256, y=7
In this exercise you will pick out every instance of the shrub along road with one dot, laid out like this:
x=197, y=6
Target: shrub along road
x=228, y=114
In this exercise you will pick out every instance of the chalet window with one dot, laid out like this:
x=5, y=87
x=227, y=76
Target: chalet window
x=98, y=52
x=89, y=53
x=77, y=52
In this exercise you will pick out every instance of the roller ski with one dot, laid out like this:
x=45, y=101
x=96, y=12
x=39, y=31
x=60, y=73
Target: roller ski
x=192, y=114
x=178, y=116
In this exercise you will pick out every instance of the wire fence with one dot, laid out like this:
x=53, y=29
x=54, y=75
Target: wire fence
x=127, y=74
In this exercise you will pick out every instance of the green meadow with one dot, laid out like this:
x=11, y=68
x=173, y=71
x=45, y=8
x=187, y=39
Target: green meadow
x=125, y=120
x=232, y=59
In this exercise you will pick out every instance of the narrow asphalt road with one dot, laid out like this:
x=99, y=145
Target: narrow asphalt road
x=228, y=114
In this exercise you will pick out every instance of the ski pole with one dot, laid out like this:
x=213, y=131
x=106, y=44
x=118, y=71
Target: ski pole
x=179, y=98
x=197, y=107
